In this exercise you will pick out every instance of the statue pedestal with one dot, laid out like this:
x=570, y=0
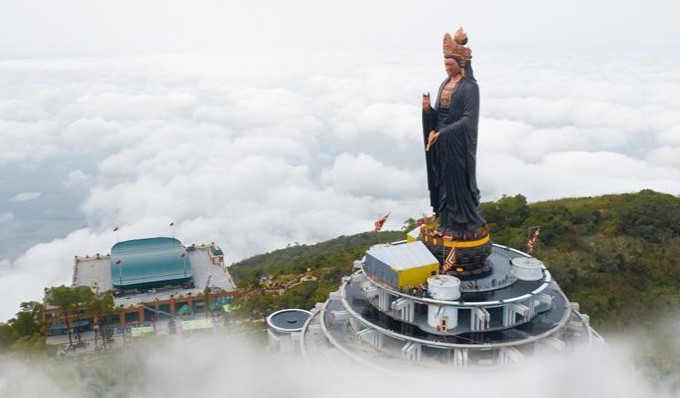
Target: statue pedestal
x=471, y=251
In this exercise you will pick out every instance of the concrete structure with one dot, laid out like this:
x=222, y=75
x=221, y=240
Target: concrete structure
x=284, y=327
x=143, y=304
x=443, y=287
x=497, y=320
x=401, y=266
x=216, y=255
x=527, y=268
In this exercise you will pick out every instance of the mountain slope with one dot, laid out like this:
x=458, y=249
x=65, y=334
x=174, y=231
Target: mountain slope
x=618, y=255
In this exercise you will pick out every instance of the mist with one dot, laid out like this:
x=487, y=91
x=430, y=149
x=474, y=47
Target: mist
x=221, y=365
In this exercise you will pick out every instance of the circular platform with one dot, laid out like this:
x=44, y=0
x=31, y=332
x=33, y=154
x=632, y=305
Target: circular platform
x=288, y=320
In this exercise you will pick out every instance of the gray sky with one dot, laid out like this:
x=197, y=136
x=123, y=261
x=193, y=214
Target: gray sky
x=82, y=27
x=256, y=125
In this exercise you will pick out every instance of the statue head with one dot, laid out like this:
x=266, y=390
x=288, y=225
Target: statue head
x=456, y=55
x=453, y=66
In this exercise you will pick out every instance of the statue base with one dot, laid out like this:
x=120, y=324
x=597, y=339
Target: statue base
x=472, y=250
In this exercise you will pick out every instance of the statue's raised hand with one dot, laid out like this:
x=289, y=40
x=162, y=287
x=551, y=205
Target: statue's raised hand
x=426, y=102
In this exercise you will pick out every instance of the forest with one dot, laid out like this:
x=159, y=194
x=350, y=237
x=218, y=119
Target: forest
x=617, y=255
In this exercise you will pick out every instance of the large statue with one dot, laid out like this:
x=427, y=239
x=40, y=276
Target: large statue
x=450, y=134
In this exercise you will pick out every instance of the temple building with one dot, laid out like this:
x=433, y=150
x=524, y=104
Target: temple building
x=152, y=279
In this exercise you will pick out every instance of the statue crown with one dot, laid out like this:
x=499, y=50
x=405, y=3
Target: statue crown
x=455, y=46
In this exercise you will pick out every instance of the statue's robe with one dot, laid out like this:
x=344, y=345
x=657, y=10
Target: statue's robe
x=429, y=124
x=451, y=165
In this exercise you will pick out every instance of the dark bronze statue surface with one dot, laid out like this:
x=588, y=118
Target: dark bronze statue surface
x=450, y=135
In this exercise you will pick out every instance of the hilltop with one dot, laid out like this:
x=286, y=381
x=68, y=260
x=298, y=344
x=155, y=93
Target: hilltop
x=617, y=255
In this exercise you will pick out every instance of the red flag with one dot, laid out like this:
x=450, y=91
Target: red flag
x=450, y=261
x=533, y=239
x=172, y=224
x=115, y=229
x=377, y=226
x=118, y=262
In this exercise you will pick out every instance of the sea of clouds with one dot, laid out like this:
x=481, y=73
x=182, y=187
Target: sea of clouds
x=257, y=152
x=223, y=365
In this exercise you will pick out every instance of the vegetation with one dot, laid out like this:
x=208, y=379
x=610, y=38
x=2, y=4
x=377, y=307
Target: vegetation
x=327, y=261
x=25, y=333
x=74, y=302
x=617, y=255
x=298, y=258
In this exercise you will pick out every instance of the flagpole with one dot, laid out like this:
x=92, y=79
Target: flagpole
x=443, y=254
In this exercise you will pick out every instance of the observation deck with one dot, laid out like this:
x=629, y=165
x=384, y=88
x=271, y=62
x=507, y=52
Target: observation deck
x=500, y=319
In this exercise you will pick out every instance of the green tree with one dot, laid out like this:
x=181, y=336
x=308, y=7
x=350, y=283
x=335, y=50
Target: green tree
x=25, y=332
x=72, y=301
x=409, y=224
x=508, y=211
x=6, y=336
x=29, y=320
x=102, y=308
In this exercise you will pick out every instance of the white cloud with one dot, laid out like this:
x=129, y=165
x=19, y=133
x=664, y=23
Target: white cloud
x=253, y=159
x=27, y=141
x=26, y=196
x=363, y=175
x=25, y=278
x=90, y=131
x=76, y=178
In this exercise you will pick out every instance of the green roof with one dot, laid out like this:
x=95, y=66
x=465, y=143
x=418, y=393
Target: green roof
x=149, y=263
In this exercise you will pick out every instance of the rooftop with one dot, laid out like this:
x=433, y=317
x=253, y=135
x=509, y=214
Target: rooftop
x=289, y=320
x=91, y=270
x=403, y=256
x=148, y=263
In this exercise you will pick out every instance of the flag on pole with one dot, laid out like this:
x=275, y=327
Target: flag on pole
x=533, y=239
x=450, y=261
x=377, y=226
x=116, y=229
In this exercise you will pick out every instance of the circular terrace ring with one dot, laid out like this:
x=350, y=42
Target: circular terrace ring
x=288, y=320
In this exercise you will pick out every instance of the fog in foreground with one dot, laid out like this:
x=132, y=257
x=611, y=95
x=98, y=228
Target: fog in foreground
x=223, y=365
